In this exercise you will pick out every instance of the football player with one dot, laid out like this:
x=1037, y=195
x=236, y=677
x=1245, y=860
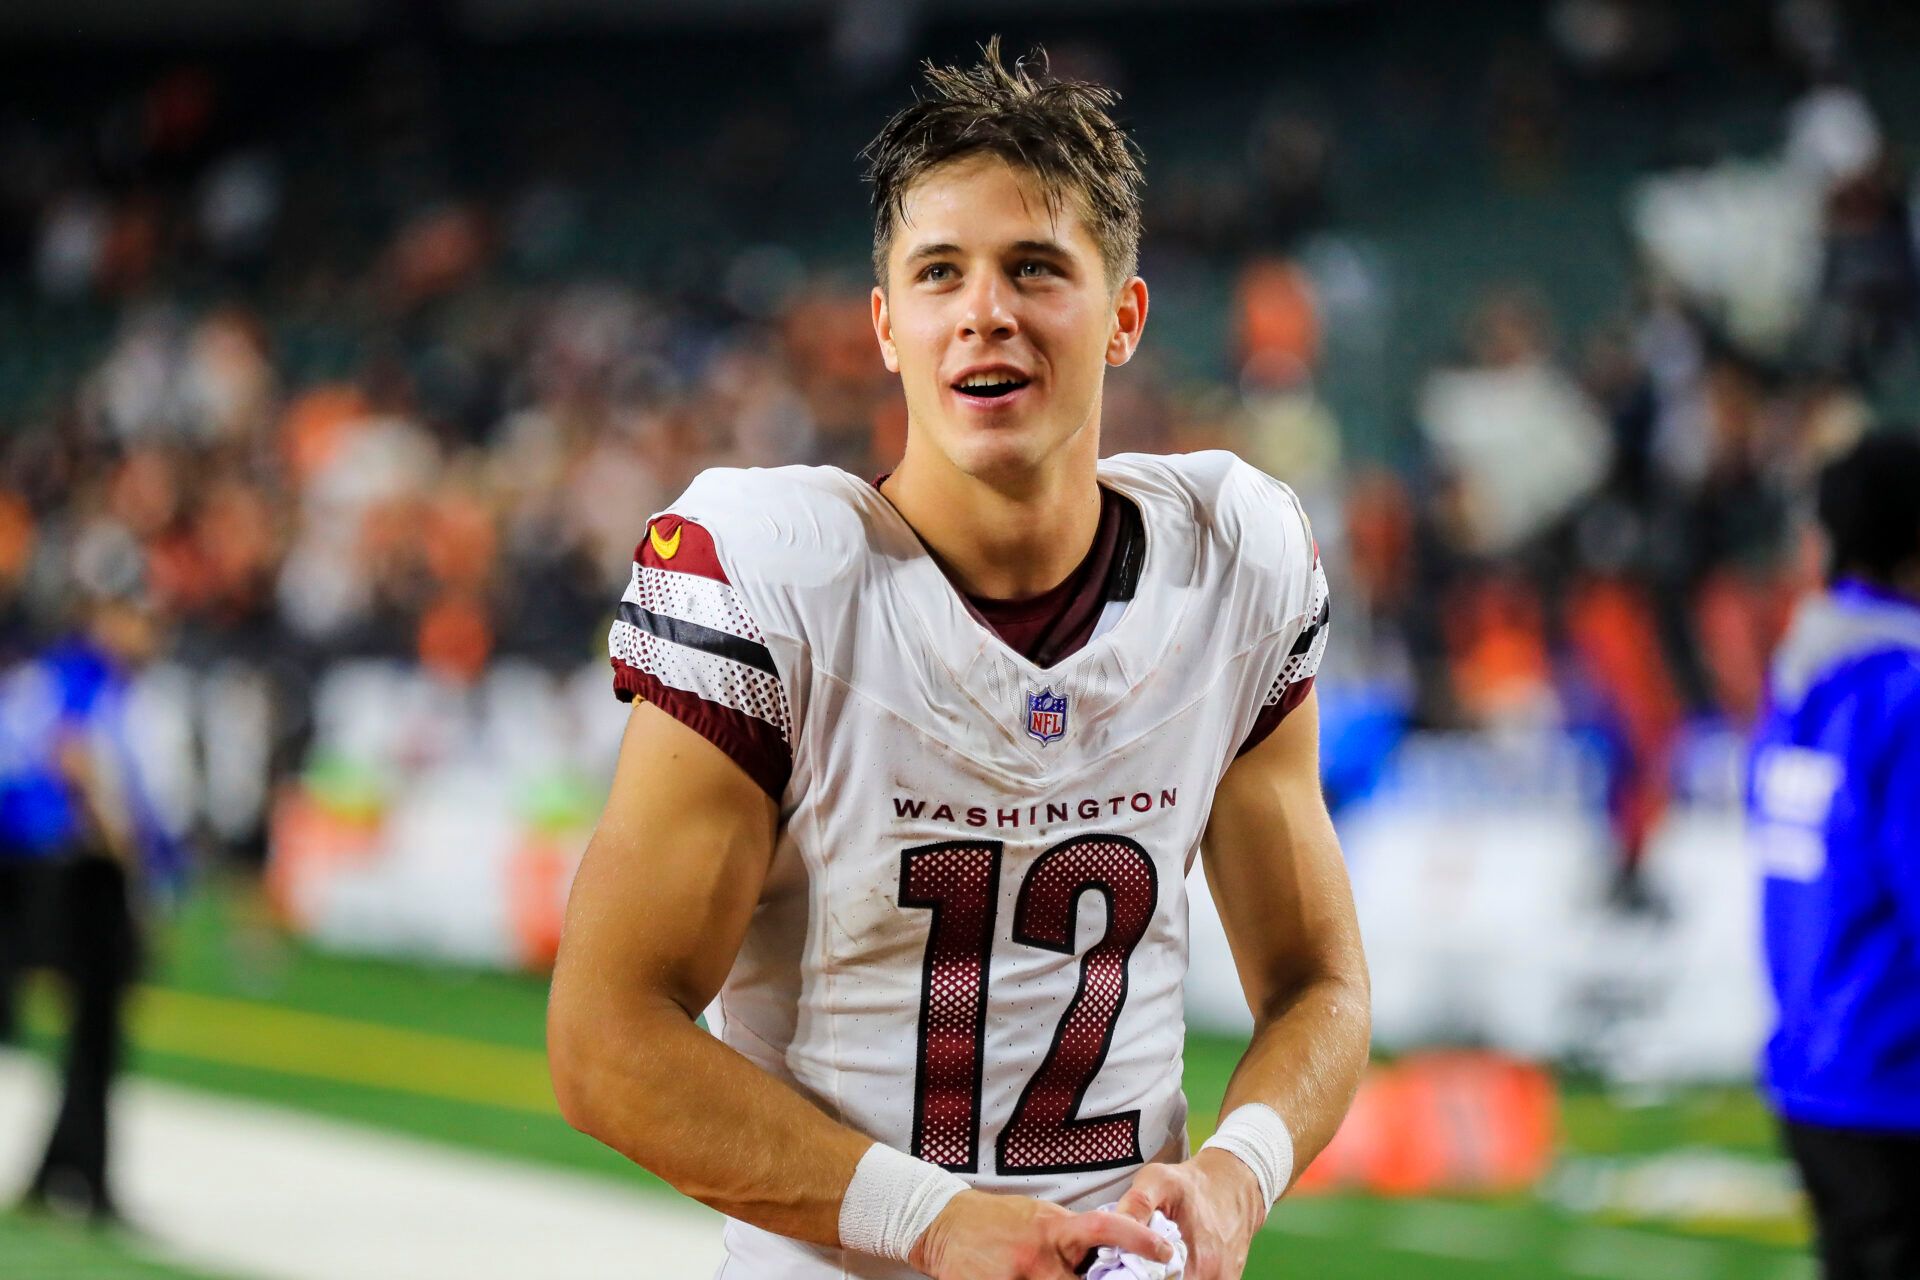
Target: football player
x=916, y=771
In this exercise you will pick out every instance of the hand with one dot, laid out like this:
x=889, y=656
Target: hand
x=979, y=1236
x=1215, y=1201
x=75, y=758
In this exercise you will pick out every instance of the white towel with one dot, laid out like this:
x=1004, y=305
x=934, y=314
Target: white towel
x=1111, y=1263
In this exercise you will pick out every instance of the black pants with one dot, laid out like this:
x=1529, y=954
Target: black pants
x=73, y=915
x=1865, y=1189
x=15, y=951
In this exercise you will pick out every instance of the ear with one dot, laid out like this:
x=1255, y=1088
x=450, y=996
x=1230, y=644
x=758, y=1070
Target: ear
x=883, y=330
x=1129, y=322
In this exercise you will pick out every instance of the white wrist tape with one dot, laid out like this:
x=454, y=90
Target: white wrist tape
x=1257, y=1135
x=891, y=1201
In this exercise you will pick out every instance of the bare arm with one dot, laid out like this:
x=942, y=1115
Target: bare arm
x=102, y=804
x=658, y=912
x=1278, y=878
x=1276, y=873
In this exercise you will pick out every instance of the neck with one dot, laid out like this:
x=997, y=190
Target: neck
x=1002, y=539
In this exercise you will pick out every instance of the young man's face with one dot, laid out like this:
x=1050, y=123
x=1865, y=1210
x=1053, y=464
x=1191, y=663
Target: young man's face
x=985, y=286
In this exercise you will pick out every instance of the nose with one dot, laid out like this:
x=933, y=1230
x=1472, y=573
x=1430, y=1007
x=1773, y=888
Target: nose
x=986, y=309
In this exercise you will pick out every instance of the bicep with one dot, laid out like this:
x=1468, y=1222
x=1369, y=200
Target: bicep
x=1274, y=866
x=668, y=884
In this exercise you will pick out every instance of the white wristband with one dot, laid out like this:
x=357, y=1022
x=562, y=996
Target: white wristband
x=1257, y=1135
x=891, y=1201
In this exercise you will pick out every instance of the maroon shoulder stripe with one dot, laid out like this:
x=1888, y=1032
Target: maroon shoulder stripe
x=749, y=741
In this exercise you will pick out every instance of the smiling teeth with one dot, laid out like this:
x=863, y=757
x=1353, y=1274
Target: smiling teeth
x=988, y=380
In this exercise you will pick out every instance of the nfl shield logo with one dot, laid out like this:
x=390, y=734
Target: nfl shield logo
x=1046, y=716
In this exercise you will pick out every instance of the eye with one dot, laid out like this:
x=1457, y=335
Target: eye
x=936, y=273
x=1033, y=267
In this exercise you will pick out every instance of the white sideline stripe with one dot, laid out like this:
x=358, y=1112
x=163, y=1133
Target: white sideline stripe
x=246, y=1189
x=1612, y=1253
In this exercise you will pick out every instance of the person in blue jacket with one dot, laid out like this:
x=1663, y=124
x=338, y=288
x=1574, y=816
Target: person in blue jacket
x=79, y=834
x=1833, y=792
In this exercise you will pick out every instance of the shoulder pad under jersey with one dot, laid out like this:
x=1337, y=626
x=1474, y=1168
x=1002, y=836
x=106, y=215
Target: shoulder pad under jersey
x=778, y=526
x=1247, y=515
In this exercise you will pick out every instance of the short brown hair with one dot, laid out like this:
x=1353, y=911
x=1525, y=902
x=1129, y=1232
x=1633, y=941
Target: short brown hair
x=1060, y=131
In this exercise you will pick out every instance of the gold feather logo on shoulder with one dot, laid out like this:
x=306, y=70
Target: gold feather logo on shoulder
x=665, y=548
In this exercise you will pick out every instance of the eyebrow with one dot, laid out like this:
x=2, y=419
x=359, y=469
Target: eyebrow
x=1052, y=248
x=933, y=251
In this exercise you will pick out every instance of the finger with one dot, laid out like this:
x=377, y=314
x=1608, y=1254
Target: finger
x=1137, y=1204
x=1086, y=1231
x=1154, y=1187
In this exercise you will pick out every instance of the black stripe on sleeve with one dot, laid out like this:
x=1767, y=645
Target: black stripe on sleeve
x=1305, y=640
x=694, y=636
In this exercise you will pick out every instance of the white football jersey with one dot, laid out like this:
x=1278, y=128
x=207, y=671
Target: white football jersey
x=973, y=937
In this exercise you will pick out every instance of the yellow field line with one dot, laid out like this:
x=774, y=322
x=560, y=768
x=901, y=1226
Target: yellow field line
x=320, y=1046
x=244, y=1033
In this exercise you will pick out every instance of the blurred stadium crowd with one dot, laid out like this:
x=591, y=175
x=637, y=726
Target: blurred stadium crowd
x=317, y=359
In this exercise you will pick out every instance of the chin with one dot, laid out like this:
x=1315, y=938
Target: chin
x=999, y=455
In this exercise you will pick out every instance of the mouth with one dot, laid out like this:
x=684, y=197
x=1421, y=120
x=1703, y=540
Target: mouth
x=995, y=390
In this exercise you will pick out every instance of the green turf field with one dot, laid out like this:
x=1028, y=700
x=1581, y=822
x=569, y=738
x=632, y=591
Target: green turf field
x=35, y=1247
x=456, y=1057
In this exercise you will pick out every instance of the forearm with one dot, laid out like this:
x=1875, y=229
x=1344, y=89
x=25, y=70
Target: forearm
x=1308, y=1052
x=96, y=795
x=1303, y=1065
x=1278, y=877
x=681, y=1104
